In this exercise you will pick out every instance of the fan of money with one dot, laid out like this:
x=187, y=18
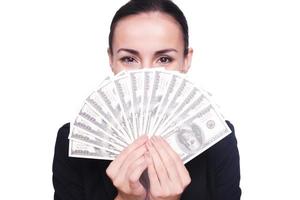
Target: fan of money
x=147, y=101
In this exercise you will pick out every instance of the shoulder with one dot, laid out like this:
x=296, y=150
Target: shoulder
x=215, y=172
x=63, y=133
x=62, y=141
x=224, y=166
x=61, y=151
x=77, y=178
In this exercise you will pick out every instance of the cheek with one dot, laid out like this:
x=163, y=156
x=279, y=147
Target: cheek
x=116, y=68
x=176, y=65
x=116, y=65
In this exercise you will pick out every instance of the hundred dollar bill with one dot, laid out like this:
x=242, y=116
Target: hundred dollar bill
x=159, y=87
x=90, y=114
x=197, y=133
x=86, y=138
x=81, y=150
x=176, y=102
x=174, y=83
x=193, y=102
x=124, y=93
x=98, y=136
x=109, y=96
x=136, y=82
x=148, y=82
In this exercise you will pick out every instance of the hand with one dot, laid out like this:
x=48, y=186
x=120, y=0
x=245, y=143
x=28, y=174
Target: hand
x=167, y=173
x=126, y=170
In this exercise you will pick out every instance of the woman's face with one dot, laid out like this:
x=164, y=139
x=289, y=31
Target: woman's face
x=148, y=40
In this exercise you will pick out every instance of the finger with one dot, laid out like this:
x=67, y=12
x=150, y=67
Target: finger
x=168, y=162
x=134, y=173
x=182, y=171
x=153, y=178
x=137, y=143
x=158, y=166
x=115, y=165
x=134, y=165
x=132, y=157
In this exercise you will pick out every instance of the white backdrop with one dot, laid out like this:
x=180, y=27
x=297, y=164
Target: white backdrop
x=247, y=53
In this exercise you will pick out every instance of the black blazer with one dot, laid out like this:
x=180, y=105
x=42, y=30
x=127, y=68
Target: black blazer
x=215, y=173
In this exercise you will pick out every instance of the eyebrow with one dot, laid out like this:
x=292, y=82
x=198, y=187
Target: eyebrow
x=135, y=52
x=165, y=51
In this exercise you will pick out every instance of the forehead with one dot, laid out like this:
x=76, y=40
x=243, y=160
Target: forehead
x=153, y=30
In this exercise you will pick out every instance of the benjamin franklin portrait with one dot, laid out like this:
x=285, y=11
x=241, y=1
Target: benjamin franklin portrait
x=190, y=138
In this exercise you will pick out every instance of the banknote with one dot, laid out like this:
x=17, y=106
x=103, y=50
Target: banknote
x=136, y=79
x=90, y=114
x=192, y=103
x=81, y=150
x=82, y=125
x=150, y=101
x=81, y=136
x=197, y=133
x=175, y=103
x=124, y=92
x=109, y=96
x=148, y=82
x=159, y=87
x=162, y=112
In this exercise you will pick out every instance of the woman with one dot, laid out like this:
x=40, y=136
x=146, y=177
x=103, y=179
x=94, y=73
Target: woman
x=144, y=34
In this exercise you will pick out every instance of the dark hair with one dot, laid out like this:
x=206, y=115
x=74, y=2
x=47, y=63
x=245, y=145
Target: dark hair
x=134, y=7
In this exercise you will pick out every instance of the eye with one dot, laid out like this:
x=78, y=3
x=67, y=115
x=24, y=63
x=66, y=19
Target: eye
x=128, y=59
x=165, y=59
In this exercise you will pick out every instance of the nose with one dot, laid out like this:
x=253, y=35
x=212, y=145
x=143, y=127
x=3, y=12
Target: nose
x=146, y=65
x=147, y=61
